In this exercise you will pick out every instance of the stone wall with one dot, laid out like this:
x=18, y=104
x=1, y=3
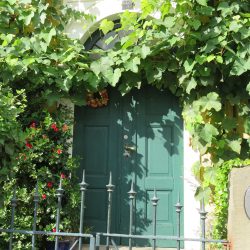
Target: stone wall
x=238, y=222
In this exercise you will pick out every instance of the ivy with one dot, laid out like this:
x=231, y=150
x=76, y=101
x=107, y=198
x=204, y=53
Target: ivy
x=221, y=196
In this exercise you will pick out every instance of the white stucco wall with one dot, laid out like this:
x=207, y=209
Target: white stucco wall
x=111, y=9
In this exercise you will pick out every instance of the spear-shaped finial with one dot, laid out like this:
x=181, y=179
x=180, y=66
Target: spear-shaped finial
x=110, y=186
x=178, y=205
x=83, y=184
x=155, y=199
x=59, y=191
x=36, y=194
x=132, y=192
x=203, y=212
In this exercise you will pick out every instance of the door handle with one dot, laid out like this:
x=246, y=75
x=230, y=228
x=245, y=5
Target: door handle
x=130, y=148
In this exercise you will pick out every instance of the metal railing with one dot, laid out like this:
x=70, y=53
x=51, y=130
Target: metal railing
x=59, y=193
x=154, y=237
x=94, y=241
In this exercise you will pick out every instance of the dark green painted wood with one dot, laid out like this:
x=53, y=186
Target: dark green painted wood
x=149, y=120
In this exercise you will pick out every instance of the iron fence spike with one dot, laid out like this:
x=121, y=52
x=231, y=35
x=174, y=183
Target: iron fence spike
x=36, y=200
x=110, y=186
x=155, y=199
x=132, y=192
x=59, y=194
x=83, y=184
x=110, y=178
x=83, y=175
x=110, y=189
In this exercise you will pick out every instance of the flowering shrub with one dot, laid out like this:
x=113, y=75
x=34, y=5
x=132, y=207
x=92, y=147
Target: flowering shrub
x=44, y=159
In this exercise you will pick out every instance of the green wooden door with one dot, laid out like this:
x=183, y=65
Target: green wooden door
x=149, y=121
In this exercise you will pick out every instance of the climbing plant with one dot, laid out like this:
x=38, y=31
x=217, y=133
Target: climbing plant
x=200, y=51
x=221, y=196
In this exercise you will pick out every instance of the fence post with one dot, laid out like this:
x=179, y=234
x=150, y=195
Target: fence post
x=154, y=200
x=110, y=189
x=13, y=207
x=83, y=187
x=203, y=215
x=98, y=241
x=132, y=194
x=92, y=243
x=59, y=194
x=36, y=200
x=178, y=209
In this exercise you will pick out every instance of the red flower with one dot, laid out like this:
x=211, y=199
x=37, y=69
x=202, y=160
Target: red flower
x=33, y=125
x=49, y=184
x=59, y=151
x=63, y=176
x=28, y=145
x=44, y=196
x=54, y=230
x=54, y=127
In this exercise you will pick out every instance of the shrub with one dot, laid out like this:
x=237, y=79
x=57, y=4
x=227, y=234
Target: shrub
x=44, y=159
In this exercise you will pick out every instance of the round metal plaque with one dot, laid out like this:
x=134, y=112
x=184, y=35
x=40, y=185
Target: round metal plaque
x=247, y=202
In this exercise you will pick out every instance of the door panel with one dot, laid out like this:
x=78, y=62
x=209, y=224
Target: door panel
x=94, y=133
x=149, y=121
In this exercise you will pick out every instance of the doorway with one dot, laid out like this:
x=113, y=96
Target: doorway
x=138, y=137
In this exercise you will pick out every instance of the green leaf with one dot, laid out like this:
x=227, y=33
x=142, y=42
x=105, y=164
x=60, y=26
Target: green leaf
x=165, y=7
x=235, y=145
x=116, y=76
x=235, y=26
x=202, y=2
x=240, y=66
x=245, y=14
x=191, y=84
x=208, y=132
x=28, y=61
x=133, y=64
x=219, y=59
x=210, y=58
x=225, y=8
x=106, y=26
x=145, y=51
x=196, y=24
x=169, y=21
x=189, y=64
x=210, y=175
x=211, y=101
x=113, y=76
x=43, y=17
x=200, y=59
x=11, y=2
x=27, y=18
x=101, y=65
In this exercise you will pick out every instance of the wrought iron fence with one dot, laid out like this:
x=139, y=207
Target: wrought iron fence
x=94, y=241
x=59, y=193
x=154, y=237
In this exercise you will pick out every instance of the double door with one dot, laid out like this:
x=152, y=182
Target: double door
x=137, y=138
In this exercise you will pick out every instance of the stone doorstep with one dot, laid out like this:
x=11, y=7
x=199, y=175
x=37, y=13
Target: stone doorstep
x=134, y=248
